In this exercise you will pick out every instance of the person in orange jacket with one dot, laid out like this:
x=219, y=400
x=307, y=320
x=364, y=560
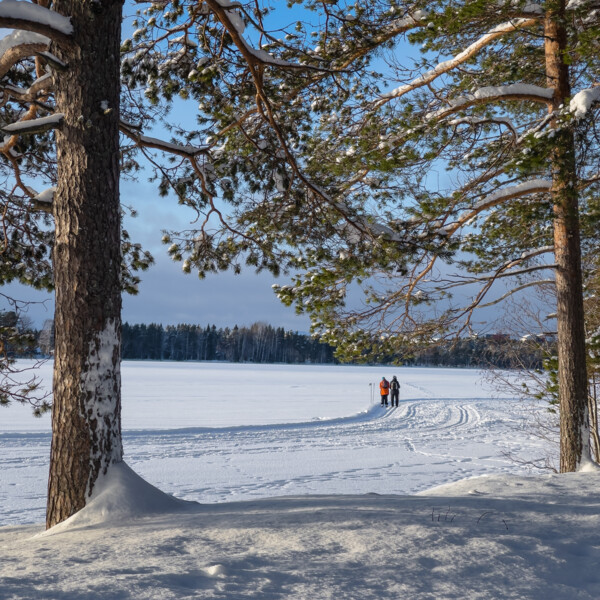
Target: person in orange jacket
x=384, y=390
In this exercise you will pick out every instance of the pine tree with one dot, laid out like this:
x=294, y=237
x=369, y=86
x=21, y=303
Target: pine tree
x=64, y=108
x=504, y=101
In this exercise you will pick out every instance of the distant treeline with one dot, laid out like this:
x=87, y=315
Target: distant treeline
x=259, y=343
x=494, y=350
x=262, y=343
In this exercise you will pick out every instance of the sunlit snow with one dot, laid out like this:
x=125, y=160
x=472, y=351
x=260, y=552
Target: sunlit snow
x=293, y=482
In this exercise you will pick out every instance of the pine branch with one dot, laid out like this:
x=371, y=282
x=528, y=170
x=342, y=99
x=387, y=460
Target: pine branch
x=27, y=16
x=446, y=66
x=19, y=45
x=35, y=125
x=519, y=288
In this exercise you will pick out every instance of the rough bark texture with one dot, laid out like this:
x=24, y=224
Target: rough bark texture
x=86, y=420
x=572, y=375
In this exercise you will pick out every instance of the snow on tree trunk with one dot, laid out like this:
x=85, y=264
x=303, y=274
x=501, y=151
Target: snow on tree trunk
x=572, y=373
x=86, y=417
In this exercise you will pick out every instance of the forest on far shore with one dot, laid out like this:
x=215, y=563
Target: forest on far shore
x=263, y=343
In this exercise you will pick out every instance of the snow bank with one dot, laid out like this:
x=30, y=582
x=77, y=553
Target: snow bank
x=120, y=496
x=326, y=513
x=491, y=538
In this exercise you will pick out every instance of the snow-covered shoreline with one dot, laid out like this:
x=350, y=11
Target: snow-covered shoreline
x=220, y=432
x=246, y=481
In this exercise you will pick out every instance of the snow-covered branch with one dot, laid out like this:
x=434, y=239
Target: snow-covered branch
x=459, y=59
x=35, y=125
x=228, y=15
x=19, y=45
x=43, y=201
x=409, y=21
x=157, y=144
x=582, y=101
x=24, y=15
x=535, y=252
x=486, y=95
x=42, y=84
x=582, y=4
x=535, y=186
x=53, y=61
x=514, y=191
x=483, y=121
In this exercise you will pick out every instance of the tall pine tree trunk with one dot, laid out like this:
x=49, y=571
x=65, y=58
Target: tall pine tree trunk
x=572, y=374
x=86, y=415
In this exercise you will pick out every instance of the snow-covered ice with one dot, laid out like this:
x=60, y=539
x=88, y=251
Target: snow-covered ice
x=292, y=482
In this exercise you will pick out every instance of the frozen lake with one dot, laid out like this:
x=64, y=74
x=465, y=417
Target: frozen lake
x=214, y=432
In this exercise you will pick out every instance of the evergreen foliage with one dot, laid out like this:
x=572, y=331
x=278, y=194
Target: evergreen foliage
x=259, y=343
x=458, y=153
x=19, y=340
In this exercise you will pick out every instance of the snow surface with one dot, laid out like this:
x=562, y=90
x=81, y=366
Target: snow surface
x=292, y=482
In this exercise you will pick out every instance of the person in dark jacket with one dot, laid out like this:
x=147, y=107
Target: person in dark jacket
x=395, y=387
x=384, y=390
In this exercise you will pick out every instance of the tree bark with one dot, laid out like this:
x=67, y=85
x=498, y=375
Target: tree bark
x=572, y=372
x=86, y=415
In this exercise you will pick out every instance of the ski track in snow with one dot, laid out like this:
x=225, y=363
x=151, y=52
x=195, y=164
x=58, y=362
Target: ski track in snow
x=400, y=444
x=425, y=441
